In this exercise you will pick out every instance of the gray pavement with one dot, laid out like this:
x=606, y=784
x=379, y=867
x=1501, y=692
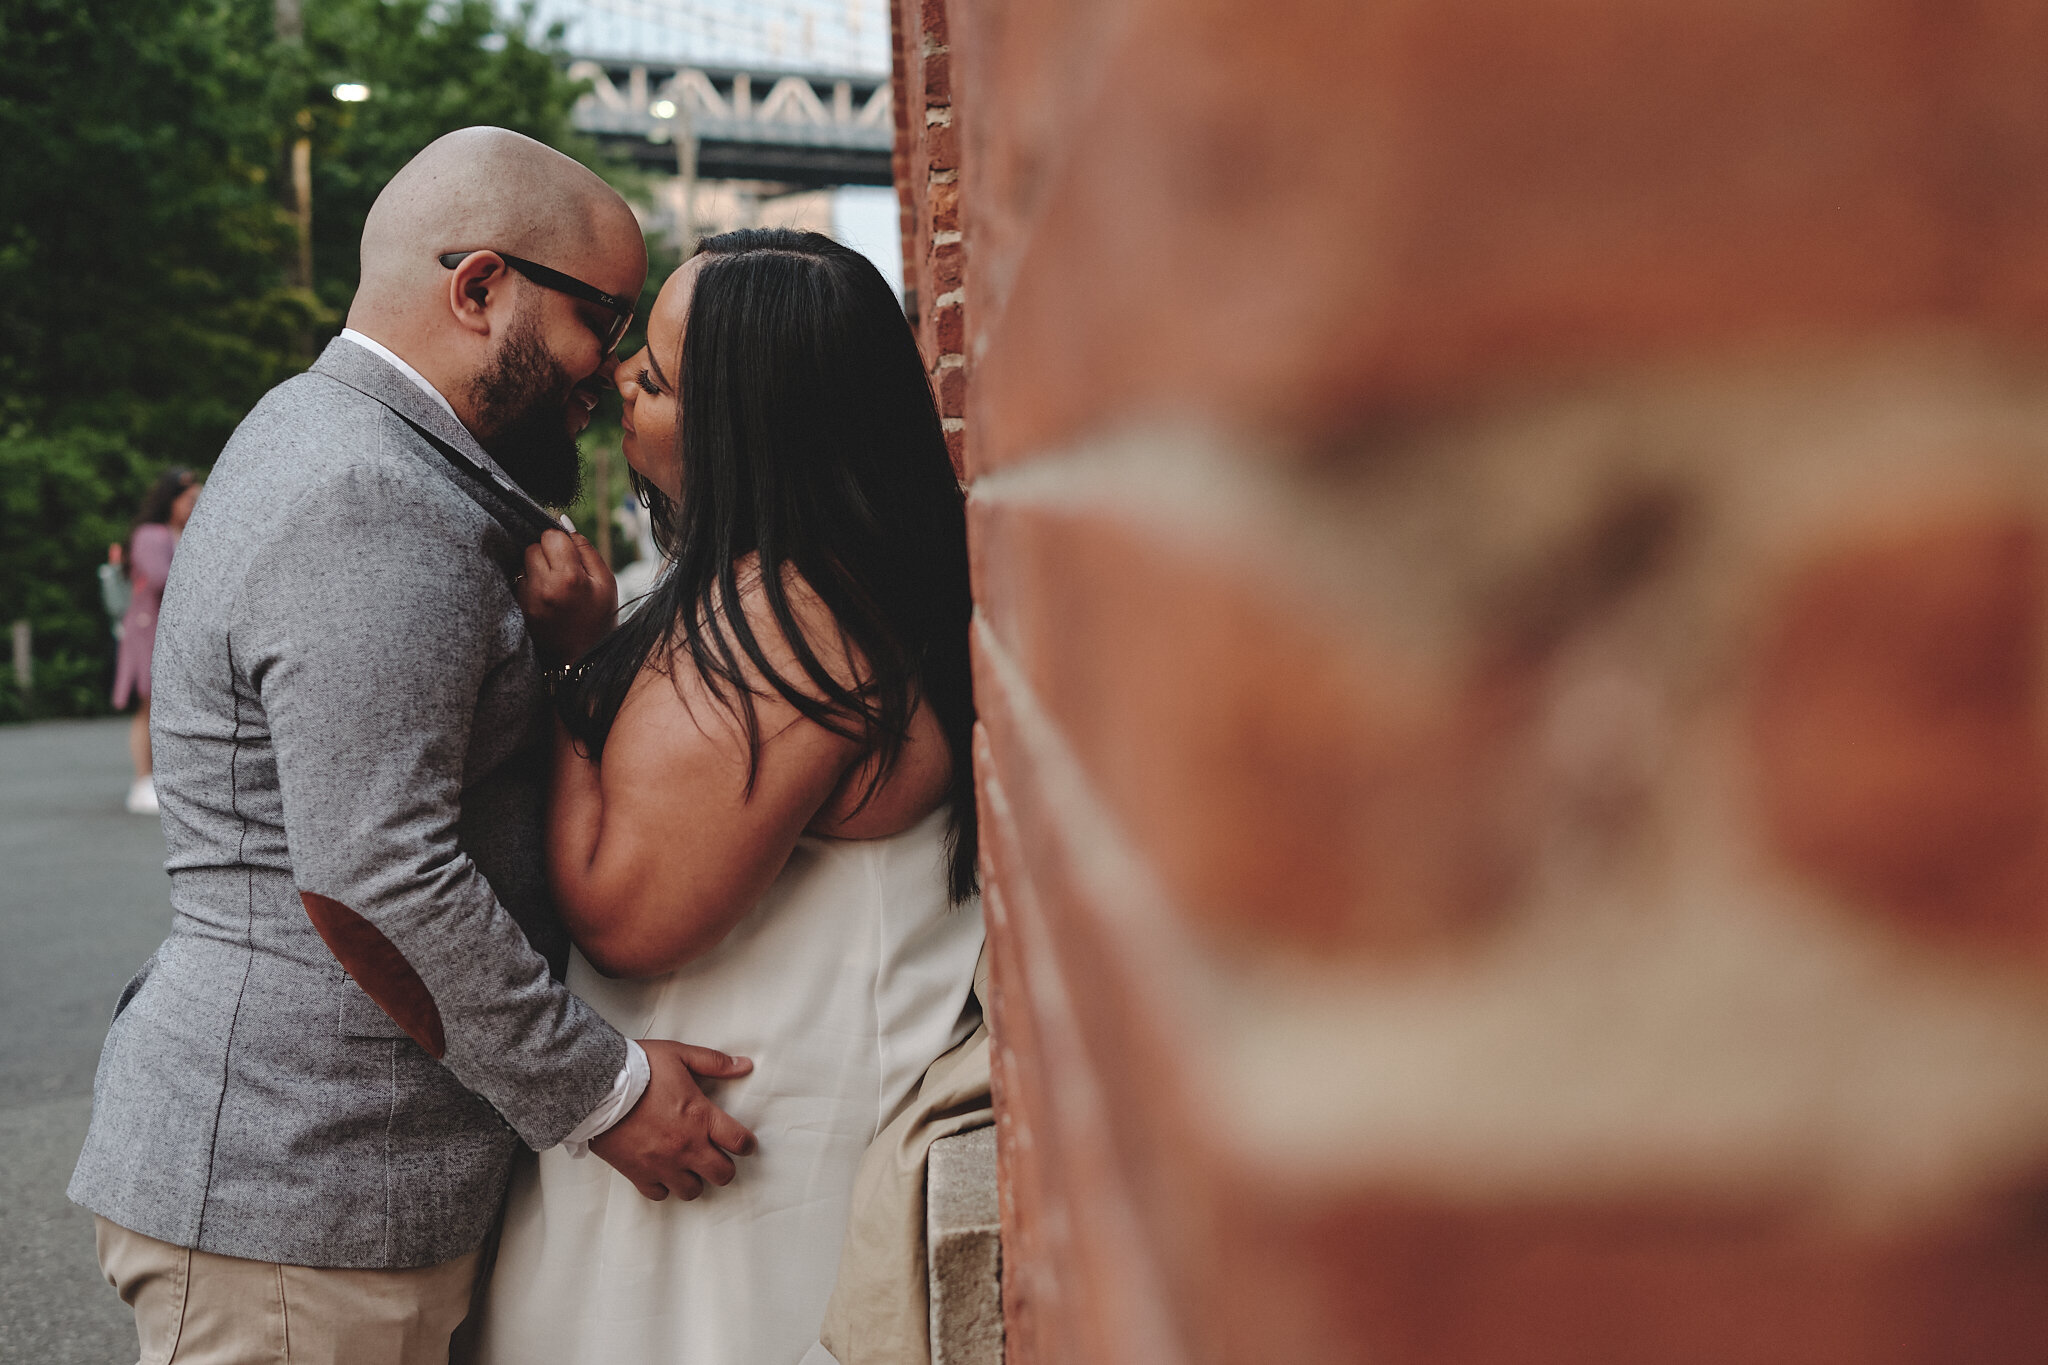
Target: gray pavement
x=83, y=901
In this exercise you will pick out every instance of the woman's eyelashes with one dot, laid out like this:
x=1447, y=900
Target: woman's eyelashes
x=646, y=381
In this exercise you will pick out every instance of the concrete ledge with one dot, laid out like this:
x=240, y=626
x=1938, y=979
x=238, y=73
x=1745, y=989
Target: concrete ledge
x=963, y=1246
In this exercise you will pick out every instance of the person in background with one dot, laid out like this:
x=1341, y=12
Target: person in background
x=115, y=590
x=151, y=544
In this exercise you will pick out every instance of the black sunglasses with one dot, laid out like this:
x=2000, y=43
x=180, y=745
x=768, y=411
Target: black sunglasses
x=620, y=309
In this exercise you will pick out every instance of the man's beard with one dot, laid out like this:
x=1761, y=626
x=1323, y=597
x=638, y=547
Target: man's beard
x=523, y=401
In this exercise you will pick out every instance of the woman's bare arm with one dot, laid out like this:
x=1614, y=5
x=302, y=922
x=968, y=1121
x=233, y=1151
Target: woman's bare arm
x=917, y=785
x=656, y=852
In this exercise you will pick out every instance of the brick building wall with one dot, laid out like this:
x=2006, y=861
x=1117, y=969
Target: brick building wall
x=927, y=164
x=1511, y=544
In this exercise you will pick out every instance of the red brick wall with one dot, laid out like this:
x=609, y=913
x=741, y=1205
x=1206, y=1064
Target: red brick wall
x=927, y=164
x=1512, y=548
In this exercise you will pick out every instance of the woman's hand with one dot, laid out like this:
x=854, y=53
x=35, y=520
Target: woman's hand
x=569, y=596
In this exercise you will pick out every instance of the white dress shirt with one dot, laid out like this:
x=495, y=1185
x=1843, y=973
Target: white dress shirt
x=632, y=1081
x=391, y=358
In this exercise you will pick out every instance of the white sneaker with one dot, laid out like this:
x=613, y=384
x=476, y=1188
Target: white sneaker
x=142, y=797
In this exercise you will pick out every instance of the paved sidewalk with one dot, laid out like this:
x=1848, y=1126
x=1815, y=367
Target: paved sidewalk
x=83, y=900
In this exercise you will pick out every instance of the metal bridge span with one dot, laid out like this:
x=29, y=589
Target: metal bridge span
x=793, y=91
x=746, y=122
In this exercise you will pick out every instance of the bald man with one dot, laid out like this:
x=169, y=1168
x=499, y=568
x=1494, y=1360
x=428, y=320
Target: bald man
x=310, y=1098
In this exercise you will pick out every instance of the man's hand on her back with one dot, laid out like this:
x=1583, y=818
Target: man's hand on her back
x=569, y=596
x=675, y=1141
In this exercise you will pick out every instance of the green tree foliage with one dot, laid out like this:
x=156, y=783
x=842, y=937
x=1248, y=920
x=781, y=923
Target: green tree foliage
x=431, y=68
x=140, y=292
x=147, y=245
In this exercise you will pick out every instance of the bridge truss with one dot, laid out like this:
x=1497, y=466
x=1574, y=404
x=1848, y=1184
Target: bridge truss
x=800, y=128
x=790, y=91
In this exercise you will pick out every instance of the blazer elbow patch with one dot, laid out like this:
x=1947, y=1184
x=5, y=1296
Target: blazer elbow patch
x=380, y=969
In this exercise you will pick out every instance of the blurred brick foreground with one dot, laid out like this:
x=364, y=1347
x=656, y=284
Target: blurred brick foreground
x=1512, y=542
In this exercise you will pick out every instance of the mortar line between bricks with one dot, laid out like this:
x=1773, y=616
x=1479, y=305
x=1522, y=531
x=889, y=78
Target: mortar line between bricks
x=1177, y=480
x=1128, y=897
x=1078, y=1089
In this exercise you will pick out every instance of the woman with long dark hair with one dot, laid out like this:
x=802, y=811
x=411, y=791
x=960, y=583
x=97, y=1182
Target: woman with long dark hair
x=165, y=510
x=762, y=820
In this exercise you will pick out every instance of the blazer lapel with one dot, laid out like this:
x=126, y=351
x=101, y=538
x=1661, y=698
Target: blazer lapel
x=368, y=374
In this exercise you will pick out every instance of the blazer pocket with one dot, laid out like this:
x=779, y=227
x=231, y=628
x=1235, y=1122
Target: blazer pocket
x=134, y=986
x=362, y=1017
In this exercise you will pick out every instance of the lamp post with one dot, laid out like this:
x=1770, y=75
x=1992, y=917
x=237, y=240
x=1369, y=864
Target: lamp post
x=302, y=197
x=291, y=29
x=680, y=131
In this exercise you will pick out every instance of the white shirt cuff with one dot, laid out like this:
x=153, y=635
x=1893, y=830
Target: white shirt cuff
x=626, y=1092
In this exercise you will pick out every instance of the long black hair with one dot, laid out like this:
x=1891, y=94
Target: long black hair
x=808, y=436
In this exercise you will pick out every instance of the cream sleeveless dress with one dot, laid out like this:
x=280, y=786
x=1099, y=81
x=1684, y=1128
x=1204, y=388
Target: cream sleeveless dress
x=848, y=979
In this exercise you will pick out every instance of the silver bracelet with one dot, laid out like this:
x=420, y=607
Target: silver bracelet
x=564, y=675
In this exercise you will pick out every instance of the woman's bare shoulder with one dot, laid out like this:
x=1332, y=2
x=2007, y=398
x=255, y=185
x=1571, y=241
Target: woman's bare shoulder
x=671, y=703
x=812, y=618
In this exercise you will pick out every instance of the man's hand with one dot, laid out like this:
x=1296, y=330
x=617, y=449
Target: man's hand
x=568, y=593
x=675, y=1140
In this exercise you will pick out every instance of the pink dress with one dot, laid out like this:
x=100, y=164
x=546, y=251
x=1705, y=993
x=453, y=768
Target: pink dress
x=149, y=563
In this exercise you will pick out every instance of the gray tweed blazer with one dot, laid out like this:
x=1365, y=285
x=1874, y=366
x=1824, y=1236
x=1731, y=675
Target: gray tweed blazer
x=358, y=1013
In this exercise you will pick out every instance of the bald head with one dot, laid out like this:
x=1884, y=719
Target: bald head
x=520, y=355
x=490, y=188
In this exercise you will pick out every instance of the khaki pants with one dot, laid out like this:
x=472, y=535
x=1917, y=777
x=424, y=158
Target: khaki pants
x=196, y=1308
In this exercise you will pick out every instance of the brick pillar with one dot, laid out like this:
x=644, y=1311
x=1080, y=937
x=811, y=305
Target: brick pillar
x=1511, y=543
x=927, y=164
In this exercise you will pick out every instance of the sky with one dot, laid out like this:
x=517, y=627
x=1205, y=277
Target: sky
x=864, y=218
x=806, y=35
